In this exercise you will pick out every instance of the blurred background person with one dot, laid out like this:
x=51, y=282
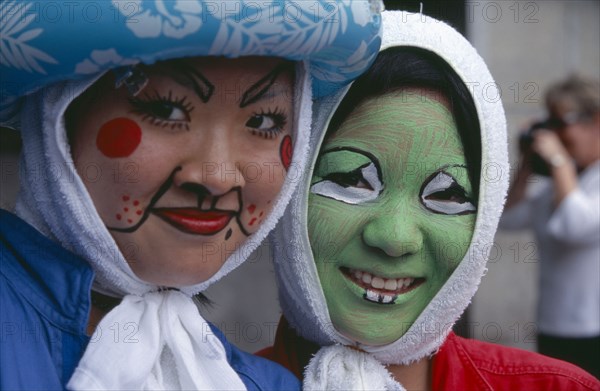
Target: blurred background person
x=564, y=213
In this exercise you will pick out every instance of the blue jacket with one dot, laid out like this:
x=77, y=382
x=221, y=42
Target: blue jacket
x=44, y=309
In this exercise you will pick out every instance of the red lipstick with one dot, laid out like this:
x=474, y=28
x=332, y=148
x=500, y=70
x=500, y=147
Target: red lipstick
x=195, y=221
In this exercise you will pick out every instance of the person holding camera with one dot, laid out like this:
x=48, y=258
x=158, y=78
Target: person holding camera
x=565, y=216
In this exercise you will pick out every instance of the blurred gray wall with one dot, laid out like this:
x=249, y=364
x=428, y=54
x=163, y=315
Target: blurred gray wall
x=527, y=45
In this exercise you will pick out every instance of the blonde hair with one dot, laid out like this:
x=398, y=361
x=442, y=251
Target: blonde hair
x=580, y=91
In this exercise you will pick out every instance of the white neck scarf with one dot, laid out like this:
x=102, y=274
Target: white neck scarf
x=175, y=348
x=163, y=342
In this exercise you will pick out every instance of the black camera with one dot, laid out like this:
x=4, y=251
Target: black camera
x=538, y=165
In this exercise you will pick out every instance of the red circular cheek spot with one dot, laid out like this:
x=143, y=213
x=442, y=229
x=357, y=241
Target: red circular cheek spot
x=285, y=151
x=119, y=137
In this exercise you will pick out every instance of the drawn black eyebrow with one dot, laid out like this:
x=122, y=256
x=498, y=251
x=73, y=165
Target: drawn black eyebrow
x=258, y=89
x=188, y=76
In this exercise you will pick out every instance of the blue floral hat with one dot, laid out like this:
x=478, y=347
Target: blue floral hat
x=45, y=42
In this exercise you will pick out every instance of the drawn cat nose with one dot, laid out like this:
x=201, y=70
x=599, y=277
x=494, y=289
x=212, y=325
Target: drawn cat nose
x=195, y=188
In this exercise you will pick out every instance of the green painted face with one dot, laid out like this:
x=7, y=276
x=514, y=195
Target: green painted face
x=391, y=213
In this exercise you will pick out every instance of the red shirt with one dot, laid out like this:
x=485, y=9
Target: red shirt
x=461, y=364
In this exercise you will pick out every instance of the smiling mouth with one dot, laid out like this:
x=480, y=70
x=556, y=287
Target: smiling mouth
x=379, y=289
x=195, y=221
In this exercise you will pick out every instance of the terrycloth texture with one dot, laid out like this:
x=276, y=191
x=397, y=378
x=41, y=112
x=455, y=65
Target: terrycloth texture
x=155, y=321
x=55, y=201
x=339, y=367
x=53, y=198
x=301, y=295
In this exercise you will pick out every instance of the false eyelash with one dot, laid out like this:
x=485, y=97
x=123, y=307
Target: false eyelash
x=279, y=118
x=146, y=107
x=430, y=197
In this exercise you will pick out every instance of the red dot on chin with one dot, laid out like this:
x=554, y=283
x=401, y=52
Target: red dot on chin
x=136, y=203
x=125, y=198
x=126, y=209
x=119, y=217
x=119, y=137
x=138, y=212
x=129, y=221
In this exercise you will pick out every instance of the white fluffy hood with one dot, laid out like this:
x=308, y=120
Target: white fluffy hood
x=301, y=295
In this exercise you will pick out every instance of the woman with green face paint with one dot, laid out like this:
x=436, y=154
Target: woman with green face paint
x=386, y=240
x=391, y=210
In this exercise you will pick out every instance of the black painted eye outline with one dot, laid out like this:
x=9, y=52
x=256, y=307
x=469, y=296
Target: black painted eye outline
x=442, y=194
x=159, y=110
x=361, y=185
x=267, y=124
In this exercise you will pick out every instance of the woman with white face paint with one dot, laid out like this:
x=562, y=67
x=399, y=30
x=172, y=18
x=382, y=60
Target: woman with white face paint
x=150, y=170
x=386, y=239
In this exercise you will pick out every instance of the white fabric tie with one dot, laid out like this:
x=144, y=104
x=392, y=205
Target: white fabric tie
x=339, y=367
x=133, y=344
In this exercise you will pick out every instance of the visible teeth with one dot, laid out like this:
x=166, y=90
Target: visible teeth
x=382, y=283
x=403, y=282
x=379, y=298
x=372, y=295
x=391, y=285
x=377, y=283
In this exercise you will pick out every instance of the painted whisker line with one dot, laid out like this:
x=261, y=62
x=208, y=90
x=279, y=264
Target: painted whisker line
x=238, y=216
x=161, y=191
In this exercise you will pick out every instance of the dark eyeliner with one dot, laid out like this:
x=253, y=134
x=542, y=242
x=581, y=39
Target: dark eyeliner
x=348, y=179
x=279, y=118
x=151, y=105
